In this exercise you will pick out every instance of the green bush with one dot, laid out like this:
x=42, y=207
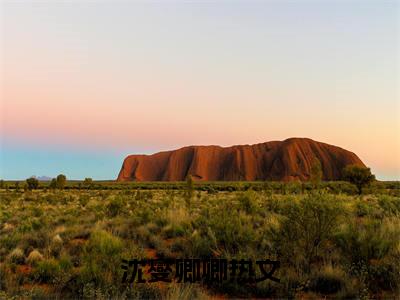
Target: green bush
x=84, y=200
x=173, y=230
x=101, y=259
x=359, y=176
x=61, y=181
x=390, y=205
x=363, y=242
x=307, y=228
x=47, y=271
x=115, y=207
x=247, y=201
x=32, y=183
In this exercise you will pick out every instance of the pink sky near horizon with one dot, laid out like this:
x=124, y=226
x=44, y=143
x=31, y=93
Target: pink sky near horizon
x=71, y=81
x=104, y=126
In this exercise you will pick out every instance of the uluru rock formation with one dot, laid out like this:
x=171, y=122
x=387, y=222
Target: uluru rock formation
x=286, y=160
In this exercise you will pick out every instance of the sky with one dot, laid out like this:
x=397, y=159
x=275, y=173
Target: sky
x=85, y=83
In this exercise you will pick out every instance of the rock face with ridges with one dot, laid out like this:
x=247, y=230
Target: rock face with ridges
x=278, y=160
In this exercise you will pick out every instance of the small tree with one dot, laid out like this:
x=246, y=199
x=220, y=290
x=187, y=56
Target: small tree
x=316, y=172
x=88, y=182
x=2, y=185
x=53, y=184
x=359, y=176
x=61, y=181
x=309, y=225
x=32, y=183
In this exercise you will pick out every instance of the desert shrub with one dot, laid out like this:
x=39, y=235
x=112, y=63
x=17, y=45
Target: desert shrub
x=34, y=257
x=88, y=182
x=115, y=207
x=247, y=201
x=63, y=274
x=46, y=271
x=294, y=187
x=368, y=248
x=50, y=198
x=60, y=181
x=53, y=184
x=104, y=244
x=58, y=197
x=308, y=226
x=359, y=176
x=84, y=200
x=178, y=216
x=161, y=221
x=9, y=241
x=36, y=239
x=173, y=230
x=144, y=215
x=340, y=187
x=140, y=233
x=201, y=245
x=280, y=204
x=65, y=263
x=390, y=205
x=362, y=209
x=368, y=208
x=101, y=259
x=223, y=227
x=17, y=256
x=361, y=243
x=28, y=225
x=37, y=211
x=78, y=231
x=271, y=204
x=32, y=183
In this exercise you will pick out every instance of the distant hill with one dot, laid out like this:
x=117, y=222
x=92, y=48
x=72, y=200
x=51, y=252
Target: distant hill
x=42, y=178
x=286, y=160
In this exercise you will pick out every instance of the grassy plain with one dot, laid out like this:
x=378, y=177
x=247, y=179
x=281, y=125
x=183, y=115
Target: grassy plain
x=330, y=242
